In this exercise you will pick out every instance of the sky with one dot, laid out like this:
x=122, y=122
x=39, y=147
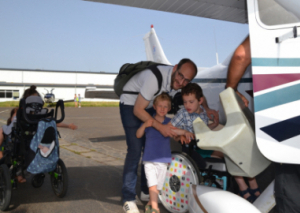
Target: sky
x=76, y=35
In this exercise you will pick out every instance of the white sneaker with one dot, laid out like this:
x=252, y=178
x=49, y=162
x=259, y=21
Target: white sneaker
x=130, y=207
x=146, y=197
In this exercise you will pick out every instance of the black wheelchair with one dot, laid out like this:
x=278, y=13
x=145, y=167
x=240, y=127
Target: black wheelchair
x=17, y=154
x=189, y=168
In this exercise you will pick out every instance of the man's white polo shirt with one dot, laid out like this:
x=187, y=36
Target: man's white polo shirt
x=146, y=84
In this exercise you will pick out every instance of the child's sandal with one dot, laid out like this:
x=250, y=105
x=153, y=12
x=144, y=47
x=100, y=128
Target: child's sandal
x=250, y=198
x=253, y=191
x=148, y=209
x=154, y=211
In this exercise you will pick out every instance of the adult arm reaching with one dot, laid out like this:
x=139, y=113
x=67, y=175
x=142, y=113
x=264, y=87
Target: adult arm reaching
x=240, y=60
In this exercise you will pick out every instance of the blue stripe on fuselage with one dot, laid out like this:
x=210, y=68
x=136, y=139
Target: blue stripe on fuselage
x=275, y=62
x=277, y=97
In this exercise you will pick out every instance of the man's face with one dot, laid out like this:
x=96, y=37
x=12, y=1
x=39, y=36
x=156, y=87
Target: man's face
x=181, y=77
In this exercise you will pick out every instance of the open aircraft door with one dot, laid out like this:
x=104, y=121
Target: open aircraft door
x=274, y=27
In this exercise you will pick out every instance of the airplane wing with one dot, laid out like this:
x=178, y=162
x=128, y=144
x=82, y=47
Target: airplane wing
x=66, y=100
x=226, y=10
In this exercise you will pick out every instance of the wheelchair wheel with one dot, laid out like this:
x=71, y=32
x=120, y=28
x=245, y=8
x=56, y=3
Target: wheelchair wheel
x=59, y=179
x=5, y=187
x=38, y=180
x=181, y=173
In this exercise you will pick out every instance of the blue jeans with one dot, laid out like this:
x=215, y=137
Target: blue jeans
x=135, y=147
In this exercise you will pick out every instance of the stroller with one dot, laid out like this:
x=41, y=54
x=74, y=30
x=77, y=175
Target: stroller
x=32, y=147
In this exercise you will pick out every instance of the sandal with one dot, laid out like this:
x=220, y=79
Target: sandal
x=147, y=208
x=253, y=191
x=154, y=211
x=250, y=198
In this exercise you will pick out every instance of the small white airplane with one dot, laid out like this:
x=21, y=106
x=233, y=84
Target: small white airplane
x=212, y=80
x=49, y=97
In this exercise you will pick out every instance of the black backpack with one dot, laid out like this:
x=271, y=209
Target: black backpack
x=128, y=70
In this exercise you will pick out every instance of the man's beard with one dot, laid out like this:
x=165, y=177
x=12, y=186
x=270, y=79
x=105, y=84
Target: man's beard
x=173, y=79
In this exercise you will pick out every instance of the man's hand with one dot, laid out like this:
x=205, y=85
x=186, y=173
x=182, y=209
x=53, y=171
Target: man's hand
x=246, y=102
x=213, y=115
x=166, y=130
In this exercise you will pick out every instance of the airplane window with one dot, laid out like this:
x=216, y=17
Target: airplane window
x=278, y=12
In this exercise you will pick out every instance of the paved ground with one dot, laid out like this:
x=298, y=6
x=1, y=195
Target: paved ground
x=94, y=155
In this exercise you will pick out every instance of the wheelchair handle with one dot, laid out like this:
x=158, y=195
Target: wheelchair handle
x=61, y=105
x=24, y=114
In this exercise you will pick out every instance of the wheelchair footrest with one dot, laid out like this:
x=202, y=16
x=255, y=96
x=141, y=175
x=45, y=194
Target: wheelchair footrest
x=214, y=181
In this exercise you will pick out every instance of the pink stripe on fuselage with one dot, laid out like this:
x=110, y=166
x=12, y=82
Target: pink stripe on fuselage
x=262, y=82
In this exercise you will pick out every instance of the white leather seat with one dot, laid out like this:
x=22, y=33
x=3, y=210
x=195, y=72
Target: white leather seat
x=236, y=140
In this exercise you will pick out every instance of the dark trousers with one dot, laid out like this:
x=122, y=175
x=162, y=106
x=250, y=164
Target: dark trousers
x=135, y=147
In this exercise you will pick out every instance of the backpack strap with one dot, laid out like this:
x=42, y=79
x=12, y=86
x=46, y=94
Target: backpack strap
x=158, y=75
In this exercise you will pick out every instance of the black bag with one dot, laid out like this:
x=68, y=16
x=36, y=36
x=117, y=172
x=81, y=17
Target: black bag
x=128, y=70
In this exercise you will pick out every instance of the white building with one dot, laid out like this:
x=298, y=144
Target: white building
x=92, y=86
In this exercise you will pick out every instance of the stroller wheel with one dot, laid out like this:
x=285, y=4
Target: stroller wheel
x=59, y=179
x=182, y=172
x=5, y=187
x=38, y=180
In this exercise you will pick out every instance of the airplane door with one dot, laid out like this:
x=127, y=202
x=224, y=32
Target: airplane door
x=274, y=28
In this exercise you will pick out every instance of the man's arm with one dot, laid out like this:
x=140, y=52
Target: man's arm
x=240, y=60
x=139, y=111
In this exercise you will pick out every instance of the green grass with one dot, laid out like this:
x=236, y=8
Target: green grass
x=9, y=104
x=94, y=104
x=67, y=104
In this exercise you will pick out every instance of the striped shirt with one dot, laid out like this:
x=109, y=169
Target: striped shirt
x=184, y=120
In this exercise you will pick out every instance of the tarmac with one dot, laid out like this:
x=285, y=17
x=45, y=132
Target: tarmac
x=94, y=156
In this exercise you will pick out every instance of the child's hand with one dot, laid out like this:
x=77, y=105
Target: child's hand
x=189, y=136
x=72, y=126
x=149, y=123
x=183, y=139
